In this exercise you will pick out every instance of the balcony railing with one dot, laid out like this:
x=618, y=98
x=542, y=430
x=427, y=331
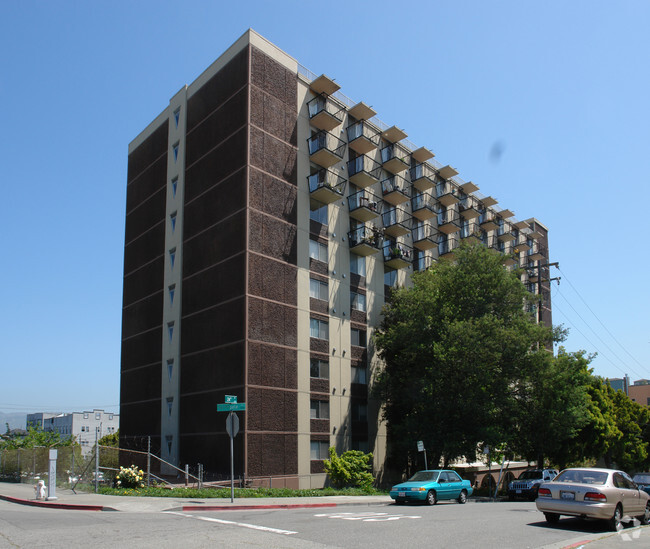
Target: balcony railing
x=425, y=236
x=365, y=240
x=397, y=222
x=395, y=189
x=364, y=205
x=422, y=263
x=469, y=207
x=325, y=149
x=362, y=137
x=448, y=221
x=423, y=177
x=397, y=256
x=326, y=186
x=447, y=246
x=471, y=231
x=505, y=233
x=424, y=206
x=363, y=171
x=447, y=194
x=396, y=158
x=324, y=113
x=487, y=220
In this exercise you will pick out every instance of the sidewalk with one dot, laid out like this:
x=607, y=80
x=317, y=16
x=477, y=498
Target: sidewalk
x=66, y=499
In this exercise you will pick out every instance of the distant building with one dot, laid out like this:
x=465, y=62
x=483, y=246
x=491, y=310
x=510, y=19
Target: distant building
x=81, y=425
x=620, y=384
x=640, y=392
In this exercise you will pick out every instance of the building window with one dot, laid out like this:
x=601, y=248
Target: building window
x=319, y=409
x=98, y=416
x=169, y=440
x=319, y=450
x=390, y=278
x=174, y=186
x=170, y=331
x=317, y=251
x=175, y=149
x=110, y=417
x=319, y=215
x=170, y=368
x=360, y=444
x=170, y=404
x=358, y=337
x=318, y=289
x=172, y=219
x=319, y=369
x=172, y=290
x=318, y=329
x=85, y=415
x=359, y=375
x=358, y=302
x=177, y=115
x=359, y=411
x=172, y=257
x=358, y=264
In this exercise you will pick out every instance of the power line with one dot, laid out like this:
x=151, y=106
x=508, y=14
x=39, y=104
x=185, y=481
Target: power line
x=598, y=319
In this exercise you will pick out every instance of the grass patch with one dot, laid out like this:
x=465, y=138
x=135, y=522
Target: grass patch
x=182, y=492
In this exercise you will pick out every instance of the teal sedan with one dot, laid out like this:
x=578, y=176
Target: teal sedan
x=432, y=486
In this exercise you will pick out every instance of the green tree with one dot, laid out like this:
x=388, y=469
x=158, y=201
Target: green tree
x=630, y=450
x=454, y=345
x=350, y=469
x=112, y=440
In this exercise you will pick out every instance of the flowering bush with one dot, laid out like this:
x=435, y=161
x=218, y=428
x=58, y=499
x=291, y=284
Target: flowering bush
x=129, y=477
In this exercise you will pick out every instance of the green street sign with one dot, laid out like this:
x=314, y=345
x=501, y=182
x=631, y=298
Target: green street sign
x=230, y=399
x=231, y=407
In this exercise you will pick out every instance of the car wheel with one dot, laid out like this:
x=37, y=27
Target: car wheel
x=645, y=518
x=552, y=518
x=431, y=497
x=615, y=522
x=462, y=498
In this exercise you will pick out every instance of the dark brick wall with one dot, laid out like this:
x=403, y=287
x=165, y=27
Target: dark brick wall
x=143, y=289
x=272, y=305
x=214, y=242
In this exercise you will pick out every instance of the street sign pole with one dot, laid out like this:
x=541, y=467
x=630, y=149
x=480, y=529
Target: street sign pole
x=231, y=419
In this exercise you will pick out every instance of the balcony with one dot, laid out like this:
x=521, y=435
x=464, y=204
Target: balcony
x=364, y=206
x=487, y=220
x=424, y=206
x=534, y=254
x=325, y=149
x=397, y=222
x=362, y=137
x=469, y=207
x=361, y=111
x=423, y=177
x=447, y=171
x=425, y=236
x=448, y=222
x=468, y=187
x=447, y=194
x=395, y=158
x=365, y=240
x=393, y=134
x=326, y=186
x=397, y=256
x=363, y=171
x=505, y=233
x=423, y=263
x=471, y=232
x=395, y=190
x=324, y=84
x=447, y=246
x=324, y=113
x=522, y=245
x=491, y=242
x=422, y=154
x=488, y=201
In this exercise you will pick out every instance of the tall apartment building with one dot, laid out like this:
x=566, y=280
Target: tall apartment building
x=267, y=217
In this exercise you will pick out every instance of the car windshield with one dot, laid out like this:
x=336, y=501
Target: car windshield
x=422, y=476
x=527, y=475
x=642, y=479
x=582, y=477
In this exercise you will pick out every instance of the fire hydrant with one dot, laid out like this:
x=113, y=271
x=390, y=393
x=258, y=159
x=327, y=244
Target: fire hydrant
x=40, y=490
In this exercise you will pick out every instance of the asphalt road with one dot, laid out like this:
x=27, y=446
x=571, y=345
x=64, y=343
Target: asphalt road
x=485, y=525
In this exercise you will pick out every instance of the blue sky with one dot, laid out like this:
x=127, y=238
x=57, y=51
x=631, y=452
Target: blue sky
x=561, y=88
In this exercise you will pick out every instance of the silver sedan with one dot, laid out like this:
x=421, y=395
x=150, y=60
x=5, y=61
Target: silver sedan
x=605, y=494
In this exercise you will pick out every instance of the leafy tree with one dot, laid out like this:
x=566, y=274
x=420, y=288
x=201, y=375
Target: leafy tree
x=112, y=440
x=36, y=437
x=552, y=406
x=454, y=345
x=351, y=469
x=629, y=451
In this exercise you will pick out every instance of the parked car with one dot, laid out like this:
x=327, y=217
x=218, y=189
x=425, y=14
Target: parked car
x=605, y=494
x=528, y=483
x=432, y=486
x=643, y=481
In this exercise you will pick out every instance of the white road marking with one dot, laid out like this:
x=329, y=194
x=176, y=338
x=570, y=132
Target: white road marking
x=366, y=517
x=232, y=523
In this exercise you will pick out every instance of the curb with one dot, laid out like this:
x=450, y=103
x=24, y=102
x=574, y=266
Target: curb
x=68, y=506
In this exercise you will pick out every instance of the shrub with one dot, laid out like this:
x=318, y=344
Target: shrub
x=351, y=468
x=129, y=477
